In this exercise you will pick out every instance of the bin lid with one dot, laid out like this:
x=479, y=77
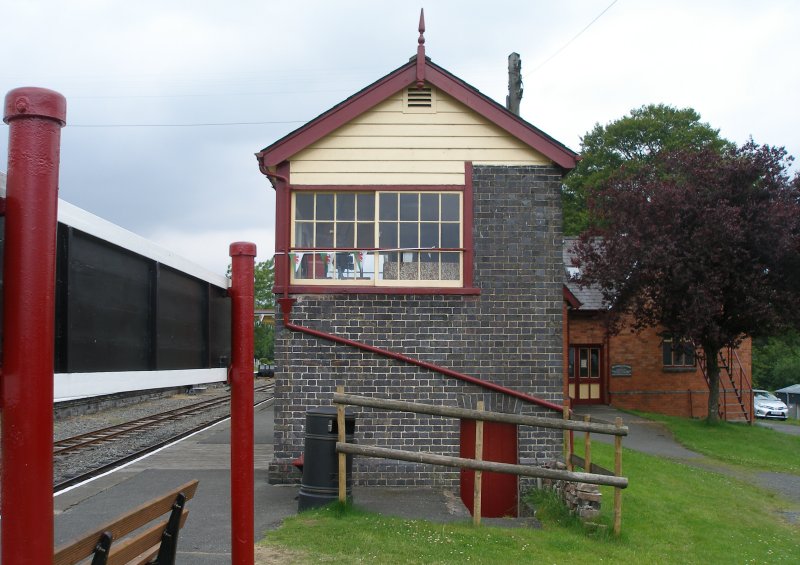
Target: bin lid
x=329, y=411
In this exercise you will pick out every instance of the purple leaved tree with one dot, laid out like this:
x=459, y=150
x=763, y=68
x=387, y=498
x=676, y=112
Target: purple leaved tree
x=703, y=243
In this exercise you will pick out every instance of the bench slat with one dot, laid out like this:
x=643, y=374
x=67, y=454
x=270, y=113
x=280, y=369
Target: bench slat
x=79, y=548
x=130, y=548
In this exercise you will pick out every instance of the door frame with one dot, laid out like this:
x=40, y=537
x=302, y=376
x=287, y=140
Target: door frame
x=574, y=380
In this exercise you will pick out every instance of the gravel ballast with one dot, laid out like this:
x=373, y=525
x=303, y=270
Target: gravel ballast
x=72, y=464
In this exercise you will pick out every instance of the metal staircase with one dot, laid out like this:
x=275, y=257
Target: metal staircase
x=735, y=386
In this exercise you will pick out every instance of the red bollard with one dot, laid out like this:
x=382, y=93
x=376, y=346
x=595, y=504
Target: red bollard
x=241, y=380
x=35, y=117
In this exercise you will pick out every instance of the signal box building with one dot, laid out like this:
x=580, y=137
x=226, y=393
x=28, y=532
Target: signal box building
x=421, y=219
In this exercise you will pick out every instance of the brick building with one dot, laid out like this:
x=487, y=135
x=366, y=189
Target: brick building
x=643, y=371
x=422, y=219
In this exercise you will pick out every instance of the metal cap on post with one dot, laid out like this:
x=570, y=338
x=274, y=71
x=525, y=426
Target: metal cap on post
x=35, y=117
x=242, y=294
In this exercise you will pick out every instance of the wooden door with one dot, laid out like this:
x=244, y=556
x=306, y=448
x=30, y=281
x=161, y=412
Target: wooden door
x=585, y=374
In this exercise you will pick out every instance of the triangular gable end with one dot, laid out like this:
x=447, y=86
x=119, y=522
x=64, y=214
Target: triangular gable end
x=395, y=82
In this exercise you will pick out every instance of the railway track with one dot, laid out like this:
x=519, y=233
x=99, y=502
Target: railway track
x=71, y=447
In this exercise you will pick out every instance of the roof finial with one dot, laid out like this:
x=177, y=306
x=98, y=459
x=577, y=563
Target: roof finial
x=421, y=50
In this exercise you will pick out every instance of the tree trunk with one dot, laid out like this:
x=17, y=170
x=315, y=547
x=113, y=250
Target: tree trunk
x=712, y=371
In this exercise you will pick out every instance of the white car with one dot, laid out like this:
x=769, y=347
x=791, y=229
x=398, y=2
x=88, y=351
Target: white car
x=767, y=405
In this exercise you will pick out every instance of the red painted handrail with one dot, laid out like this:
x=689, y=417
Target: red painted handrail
x=410, y=360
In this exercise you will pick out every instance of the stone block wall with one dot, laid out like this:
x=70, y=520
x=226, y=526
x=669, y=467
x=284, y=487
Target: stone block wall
x=510, y=334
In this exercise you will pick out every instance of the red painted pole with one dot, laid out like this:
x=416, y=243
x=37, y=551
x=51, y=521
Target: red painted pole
x=35, y=117
x=241, y=380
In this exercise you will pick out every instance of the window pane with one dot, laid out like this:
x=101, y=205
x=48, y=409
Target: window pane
x=304, y=204
x=689, y=354
x=345, y=265
x=451, y=236
x=324, y=206
x=451, y=266
x=387, y=237
x=451, y=211
x=409, y=236
x=389, y=266
x=409, y=207
x=324, y=235
x=304, y=234
x=345, y=207
x=595, y=369
x=345, y=234
x=429, y=234
x=366, y=206
x=311, y=266
x=429, y=266
x=366, y=236
x=666, y=349
x=571, y=363
x=409, y=266
x=429, y=207
x=584, y=363
x=388, y=206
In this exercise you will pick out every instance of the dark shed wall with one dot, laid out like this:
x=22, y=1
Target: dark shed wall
x=510, y=334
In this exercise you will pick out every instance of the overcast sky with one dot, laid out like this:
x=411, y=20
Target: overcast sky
x=140, y=77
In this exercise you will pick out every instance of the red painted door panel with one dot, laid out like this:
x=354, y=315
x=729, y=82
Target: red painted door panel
x=499, y=490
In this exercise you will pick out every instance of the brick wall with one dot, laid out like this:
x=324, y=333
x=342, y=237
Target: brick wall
x=510, y=334
x=651, y=387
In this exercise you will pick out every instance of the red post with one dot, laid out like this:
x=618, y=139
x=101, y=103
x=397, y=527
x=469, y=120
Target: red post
x=35, y=117
x=241, y=380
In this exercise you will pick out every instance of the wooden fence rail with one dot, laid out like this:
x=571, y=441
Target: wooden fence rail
x=604, y=477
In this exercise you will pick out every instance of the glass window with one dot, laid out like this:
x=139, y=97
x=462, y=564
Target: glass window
x=409, y=207
x=677, y=353
x=374, y=238
x=429, y=207
x=304, y=207
x=324, y=209
x=388, y=204
x=345, y=207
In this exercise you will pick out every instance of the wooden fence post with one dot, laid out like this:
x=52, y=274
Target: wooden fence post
x=618, y=473
x=342, y=456
x=476, y=493
x=567, y=446
x=587, y=447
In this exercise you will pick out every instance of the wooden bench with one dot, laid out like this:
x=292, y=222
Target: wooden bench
x=160, y=540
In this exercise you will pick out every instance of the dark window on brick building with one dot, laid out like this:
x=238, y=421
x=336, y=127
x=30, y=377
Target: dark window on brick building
x=677, y=354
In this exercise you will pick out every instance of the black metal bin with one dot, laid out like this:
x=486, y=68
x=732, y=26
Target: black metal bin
x=320, y=483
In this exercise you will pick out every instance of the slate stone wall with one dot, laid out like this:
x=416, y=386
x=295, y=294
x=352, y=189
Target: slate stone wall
x=510, y=334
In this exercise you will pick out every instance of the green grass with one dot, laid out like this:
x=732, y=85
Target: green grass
x=672, y=513
x=753, y=447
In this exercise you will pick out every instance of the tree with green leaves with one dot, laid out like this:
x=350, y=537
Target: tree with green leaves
x=632, y=141
x=703, y=243
x=264, y=336
x=263, y=332
x=776, y=360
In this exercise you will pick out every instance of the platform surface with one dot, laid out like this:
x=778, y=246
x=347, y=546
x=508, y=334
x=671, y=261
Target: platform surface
x=205, y=456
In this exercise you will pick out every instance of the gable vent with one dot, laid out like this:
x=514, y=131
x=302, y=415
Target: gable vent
x=419, y=100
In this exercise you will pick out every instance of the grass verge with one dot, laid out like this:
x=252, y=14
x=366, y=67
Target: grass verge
x=672, y=513
x=754, y=447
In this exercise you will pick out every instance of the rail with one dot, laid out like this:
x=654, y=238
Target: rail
x=601, y=477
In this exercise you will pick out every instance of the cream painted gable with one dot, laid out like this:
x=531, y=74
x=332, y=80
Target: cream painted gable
x=418, y=146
